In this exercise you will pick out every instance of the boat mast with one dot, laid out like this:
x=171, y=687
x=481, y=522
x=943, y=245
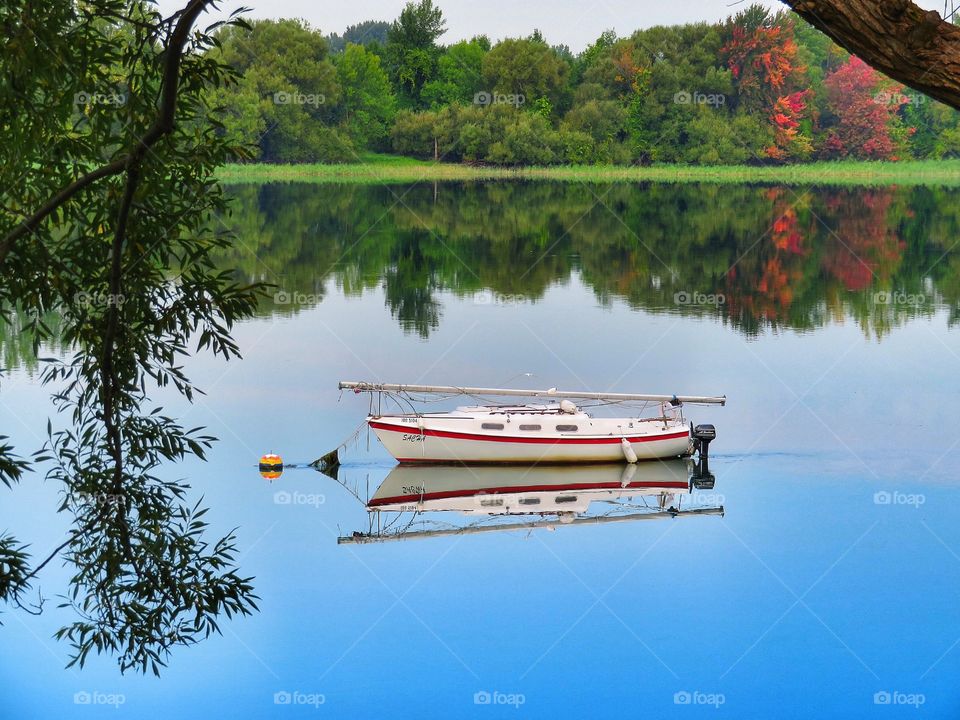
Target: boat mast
x=513, y=392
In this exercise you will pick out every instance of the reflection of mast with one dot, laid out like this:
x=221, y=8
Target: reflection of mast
x=359, y=538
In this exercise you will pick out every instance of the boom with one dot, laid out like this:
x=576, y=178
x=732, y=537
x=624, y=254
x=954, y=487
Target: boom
x=514, y=392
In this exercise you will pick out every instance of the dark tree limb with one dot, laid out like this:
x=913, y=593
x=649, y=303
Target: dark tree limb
x=897, y=37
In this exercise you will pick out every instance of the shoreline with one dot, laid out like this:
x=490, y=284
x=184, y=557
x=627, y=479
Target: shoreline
x=384, y=169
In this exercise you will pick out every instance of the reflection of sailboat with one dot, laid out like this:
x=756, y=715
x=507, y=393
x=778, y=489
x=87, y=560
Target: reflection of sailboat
x=509, y=491
x=543, y=496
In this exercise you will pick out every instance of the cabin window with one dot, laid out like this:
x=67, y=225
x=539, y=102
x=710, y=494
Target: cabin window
x=566, y=428
x=566, y=498
x=529, y=427
x=492, y=502
x=529, y=501
x=492, y=426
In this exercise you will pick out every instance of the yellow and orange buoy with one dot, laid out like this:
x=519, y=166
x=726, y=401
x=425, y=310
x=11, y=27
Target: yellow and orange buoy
x=271, y=466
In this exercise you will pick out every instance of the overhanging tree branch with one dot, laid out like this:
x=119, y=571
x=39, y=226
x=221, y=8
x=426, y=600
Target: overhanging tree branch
x=162, y=125
x=897, y=37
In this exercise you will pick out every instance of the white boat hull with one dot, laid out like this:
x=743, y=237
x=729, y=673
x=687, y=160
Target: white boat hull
x=426, y=440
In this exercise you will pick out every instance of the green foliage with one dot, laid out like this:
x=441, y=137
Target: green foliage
x=419, y=26
x=527, y=141
x=585, y=60
x=594, y=131
x=110, y=218
x=640, y=99
x=243, y=112
x=368, y=32
x=411, y=50
x=715, y=140
x=413, y=133
x=288, y=54
x=289, y=97
x=526, y=68
x=368, y=103
x=459, y=74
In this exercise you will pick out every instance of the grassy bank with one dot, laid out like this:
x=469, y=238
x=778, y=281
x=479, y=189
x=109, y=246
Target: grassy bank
x=375, y=169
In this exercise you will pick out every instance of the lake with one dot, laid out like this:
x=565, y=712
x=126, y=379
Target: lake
x=828, y=588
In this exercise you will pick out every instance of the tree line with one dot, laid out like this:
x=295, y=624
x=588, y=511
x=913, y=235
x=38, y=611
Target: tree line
x=760, y=87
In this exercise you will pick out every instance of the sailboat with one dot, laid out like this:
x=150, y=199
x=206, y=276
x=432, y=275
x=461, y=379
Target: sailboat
x=552, y=431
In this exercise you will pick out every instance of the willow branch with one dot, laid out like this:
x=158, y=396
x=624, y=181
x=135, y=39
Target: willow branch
x=162, y=125
x=73, y=536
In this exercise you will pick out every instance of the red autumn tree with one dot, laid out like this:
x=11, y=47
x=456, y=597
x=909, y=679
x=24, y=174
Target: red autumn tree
x=788, y=141
x=761, y=54
x=863, y=104
x=762, y=61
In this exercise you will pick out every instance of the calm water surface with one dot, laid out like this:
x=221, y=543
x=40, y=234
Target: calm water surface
x=830, y=585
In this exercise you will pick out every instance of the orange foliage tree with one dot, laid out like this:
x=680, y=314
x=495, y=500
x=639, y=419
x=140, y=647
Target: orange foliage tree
x=761, y=53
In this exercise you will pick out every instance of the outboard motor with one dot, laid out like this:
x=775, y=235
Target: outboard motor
x=703, y=435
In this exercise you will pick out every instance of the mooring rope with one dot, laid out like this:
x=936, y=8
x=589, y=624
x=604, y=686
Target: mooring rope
x=332, y=459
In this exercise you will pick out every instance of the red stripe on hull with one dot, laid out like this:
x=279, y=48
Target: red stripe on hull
x=513, y=490
x=516, y=439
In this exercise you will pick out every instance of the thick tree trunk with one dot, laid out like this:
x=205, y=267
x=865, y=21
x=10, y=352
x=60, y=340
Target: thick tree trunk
x=898, y=38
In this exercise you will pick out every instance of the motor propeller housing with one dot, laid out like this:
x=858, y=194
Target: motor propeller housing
x=703, y=435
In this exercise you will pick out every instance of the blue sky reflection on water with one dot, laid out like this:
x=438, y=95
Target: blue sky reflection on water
x=806, y=600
